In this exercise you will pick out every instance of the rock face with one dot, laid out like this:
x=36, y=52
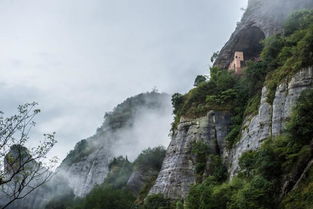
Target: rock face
x=271, y=118
x=139, y=179
x=261, y=19
x=92, y=168
x=88, y=164
x=177, y=172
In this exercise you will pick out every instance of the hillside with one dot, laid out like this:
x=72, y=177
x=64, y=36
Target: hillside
x=88, y=164
x=244, y=140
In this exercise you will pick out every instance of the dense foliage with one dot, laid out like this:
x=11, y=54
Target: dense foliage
x=264, y=171
x=286, y=53
x=199, y=79
x=269, y=173
x=114, y=193
x=120, y=170
x=150, y=158
x=282, y=56
x=102, y=197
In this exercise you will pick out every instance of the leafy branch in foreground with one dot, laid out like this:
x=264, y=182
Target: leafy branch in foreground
x=23, y=170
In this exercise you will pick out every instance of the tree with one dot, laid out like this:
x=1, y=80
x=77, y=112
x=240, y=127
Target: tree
x=214, y=56
x=199, y=79
x=23, y=170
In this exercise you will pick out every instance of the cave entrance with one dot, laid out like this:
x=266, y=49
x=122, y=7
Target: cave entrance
x=247, y=44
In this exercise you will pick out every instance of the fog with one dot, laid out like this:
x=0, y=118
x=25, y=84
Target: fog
x=78, y=59
x=150, y=129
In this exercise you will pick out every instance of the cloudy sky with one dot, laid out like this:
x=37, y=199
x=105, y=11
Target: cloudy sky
x=79, y=58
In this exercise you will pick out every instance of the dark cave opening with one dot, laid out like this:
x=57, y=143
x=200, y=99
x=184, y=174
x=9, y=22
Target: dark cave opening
x=249, y=42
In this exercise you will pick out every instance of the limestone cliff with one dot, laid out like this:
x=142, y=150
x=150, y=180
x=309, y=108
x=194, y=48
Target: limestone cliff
x=261, y=19
x=271, y=118
x=177, y=173
x=87, y=164
x=178, y=170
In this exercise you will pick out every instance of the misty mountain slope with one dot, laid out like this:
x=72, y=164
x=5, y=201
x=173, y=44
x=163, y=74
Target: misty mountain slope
x=238, y=140
x=133, y=125
x=245, y=140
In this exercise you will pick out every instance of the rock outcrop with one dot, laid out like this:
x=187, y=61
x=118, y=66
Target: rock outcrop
x=139, y=179
x=261, y=19
x=91, y=169
x=271, y=118
x=87, y=165
x=177, y=172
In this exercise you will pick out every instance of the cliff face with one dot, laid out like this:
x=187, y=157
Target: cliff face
x=91, y=169
x=177, y=173
x=178, y=170
x=87, y=165
x=261, y=19
x=271, y=118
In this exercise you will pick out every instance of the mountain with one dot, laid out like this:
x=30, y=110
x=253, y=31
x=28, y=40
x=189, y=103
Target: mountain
x=127, y=130
x=87, y=164
x=239, y=140
x=223, y=120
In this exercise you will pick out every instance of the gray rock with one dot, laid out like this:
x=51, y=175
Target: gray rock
x=139, y=179
x=270, y=119
x=92, y=169
x=177, y=172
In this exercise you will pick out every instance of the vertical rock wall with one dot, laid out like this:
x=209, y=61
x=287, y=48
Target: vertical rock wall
x=177, y=173
x=271, y=118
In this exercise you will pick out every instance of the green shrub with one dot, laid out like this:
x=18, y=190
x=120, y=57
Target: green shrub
x=120, y=170
x=179, y=205
x=298, y=21
x=199, y=79
x=201, y=151
x=217, y=169
x=301, y=123
x=150, y=158
x=287, y=54
x=105, y=198
x=302, y=196
x=233, y=136
x=157, y=201
x=255, y=194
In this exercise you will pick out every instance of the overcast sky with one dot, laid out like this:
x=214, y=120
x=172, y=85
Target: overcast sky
x=80, y=58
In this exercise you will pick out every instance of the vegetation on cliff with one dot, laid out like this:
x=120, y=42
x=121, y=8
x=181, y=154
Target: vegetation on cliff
x=122, y=116
x=114, y=192
x=268, y=172
x=282, y=56
x=269, y=175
